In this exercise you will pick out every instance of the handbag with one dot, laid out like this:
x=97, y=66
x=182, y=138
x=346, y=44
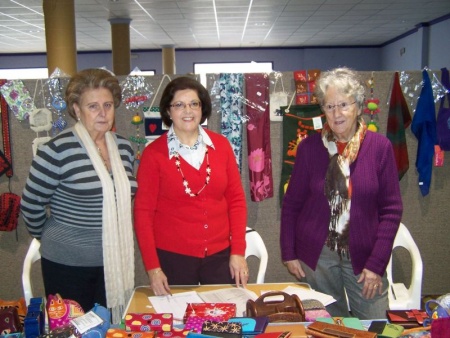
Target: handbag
x=326, y=330
x=222, y=329
x=290, y=309
x=61, y=311
x=9, y=211
x=9, y=320
x=19, y=304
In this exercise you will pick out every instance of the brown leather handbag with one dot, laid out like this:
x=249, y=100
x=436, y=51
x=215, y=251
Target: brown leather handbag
x=290, y=309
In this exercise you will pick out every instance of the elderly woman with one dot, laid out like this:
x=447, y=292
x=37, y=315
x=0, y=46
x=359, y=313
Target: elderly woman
x=343, y=205
x=190, y=212
x=84, y=176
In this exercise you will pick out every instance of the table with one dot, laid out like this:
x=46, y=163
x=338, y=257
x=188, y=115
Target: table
x=139, y=300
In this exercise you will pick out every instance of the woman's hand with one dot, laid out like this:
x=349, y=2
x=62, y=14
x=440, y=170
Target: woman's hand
x=158, y=282
x=239, y=269
x=295, y=268
x=372, y=283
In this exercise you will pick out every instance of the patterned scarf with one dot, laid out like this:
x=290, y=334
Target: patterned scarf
x=117, y=229
x=338, y=185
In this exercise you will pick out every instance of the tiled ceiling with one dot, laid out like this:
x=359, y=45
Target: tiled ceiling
x=222, y=23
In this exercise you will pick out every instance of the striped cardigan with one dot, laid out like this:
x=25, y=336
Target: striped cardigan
x=62, y=200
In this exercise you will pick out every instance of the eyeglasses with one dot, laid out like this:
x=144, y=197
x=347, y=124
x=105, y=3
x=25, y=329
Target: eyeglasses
x=343, y=106
x=181, y=105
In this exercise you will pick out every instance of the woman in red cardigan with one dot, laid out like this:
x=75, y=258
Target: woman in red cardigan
x=190, y=211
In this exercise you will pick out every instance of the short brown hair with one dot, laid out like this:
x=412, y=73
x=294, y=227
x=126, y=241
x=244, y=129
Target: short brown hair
x=91, y=79
x=182, y=83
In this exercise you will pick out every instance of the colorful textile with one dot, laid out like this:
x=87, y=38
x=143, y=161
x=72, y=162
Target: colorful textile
x=298, y=123
x=443, y=116
x=232, y=109
x=424, y=128
x=399, y=119
x=258, y=137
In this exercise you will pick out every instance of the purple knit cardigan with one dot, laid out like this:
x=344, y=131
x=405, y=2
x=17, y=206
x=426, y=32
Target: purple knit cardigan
x=376, y=206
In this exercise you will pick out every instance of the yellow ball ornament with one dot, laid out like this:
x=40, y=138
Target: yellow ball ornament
x=372, y=127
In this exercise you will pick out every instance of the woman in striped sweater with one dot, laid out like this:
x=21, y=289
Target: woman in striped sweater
x=77, y=200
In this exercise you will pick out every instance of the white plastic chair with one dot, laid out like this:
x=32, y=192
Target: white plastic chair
x=32, y=256
x=257, y=248
x=400, y=297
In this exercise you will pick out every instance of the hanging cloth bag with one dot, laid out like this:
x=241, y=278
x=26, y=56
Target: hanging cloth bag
x=277, y=99
x=443, y=117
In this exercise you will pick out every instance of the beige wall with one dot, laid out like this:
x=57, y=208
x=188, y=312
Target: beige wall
x=426, y=217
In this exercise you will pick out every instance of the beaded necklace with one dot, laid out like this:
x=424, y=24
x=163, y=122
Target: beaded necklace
x=188, y=190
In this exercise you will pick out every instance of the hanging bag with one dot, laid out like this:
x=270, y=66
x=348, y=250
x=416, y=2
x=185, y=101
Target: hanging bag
x=443, y=117
x=277, y=99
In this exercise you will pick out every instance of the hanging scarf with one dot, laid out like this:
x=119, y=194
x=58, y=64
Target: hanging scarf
x=117, y=230
x=338, y=185
x=232, y=109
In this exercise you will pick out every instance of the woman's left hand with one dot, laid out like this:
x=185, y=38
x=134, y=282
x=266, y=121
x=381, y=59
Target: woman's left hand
x=239, y=269
x=372, y=283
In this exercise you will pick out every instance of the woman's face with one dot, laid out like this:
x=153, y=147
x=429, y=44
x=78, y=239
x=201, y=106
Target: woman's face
x=96, y=111
x=186, y=111
x=342, y=114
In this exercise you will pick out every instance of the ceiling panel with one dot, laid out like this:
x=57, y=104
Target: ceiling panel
x=194, y=23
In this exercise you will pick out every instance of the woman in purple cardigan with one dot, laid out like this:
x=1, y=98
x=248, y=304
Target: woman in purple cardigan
x=343, y=206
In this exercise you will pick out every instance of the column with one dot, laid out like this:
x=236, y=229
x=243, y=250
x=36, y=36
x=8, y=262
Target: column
x=423, y=30
x=168, y=59
x=60, y=35
x=121, y=54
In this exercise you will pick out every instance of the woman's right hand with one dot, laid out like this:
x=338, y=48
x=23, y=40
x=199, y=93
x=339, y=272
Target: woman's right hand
x=158, y=282
x=295, y=268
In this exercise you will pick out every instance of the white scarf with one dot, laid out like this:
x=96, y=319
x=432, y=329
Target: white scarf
x=117, y=229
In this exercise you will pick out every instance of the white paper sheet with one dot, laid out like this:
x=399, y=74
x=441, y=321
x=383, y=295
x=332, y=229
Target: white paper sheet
x=175, y=304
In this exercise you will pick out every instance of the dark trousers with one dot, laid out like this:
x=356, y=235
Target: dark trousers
x=85, y=285
x=188, y=270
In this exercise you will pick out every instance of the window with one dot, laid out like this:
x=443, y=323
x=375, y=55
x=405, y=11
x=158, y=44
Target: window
x=231, y=67
x=24, y=73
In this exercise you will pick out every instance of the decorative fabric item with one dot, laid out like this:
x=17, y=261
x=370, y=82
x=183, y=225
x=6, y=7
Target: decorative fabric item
x=399, y=119
x=251, y=326
x=9, y=321
x=61, y=311
x=4, y=164
x=149, y=322
x=197, y=313
x=372, y=107
x=222, y=329
x=299, y=121
x=258, y=137
x=314, y=309
x=338, y=185
x=231, y=106
x=277, y=99
x=135, y=91
x=100, y=330
x=424, y=128
x=119, y=333
x=54, y=97
x=117, y=229
x=9, y=211
x=18, y=98
x=19, y=304
x=6, y=133
x=305, y=82
x=443, y=116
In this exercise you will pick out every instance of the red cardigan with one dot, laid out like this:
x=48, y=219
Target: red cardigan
x=165, y=217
